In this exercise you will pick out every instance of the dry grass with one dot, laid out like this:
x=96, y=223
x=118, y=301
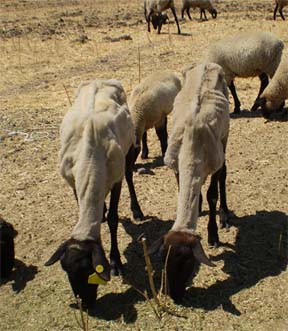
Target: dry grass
x=46, y=49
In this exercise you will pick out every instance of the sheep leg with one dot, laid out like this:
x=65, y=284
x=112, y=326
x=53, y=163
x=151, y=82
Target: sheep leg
x=237, y=103
x=176, y=19
x=162, y=136
x=212, y=197
x=188, y=13
x=148, y=20
x=223, y=211
x=200, y=203
x=145, y=151
x=264, y=82
x=130, y=161
x=275, y=12
x=115, y=260
x=281, y=13
x=75, y=195
x=182, y=12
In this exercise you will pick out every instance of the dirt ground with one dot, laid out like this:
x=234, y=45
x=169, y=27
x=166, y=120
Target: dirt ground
x=46, y=49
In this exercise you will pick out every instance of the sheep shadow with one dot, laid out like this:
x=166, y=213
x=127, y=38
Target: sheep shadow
x=21, y=275
x=281, y=116
x=261, y=250
x=150, y=165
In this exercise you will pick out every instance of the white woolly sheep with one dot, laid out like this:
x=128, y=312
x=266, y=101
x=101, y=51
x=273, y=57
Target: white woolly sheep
x=273, y=97
x=7, y=249
x=153, y=10
x=196, y=149
x=201, y=4
x=96, y=136
x=280, y=4
x=247, y=54
x=150, y=102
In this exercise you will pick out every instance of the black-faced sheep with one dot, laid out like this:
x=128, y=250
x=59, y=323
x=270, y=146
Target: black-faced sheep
x=150, y=102
x=7, y=249
x=96, y=136
x=153, y=11
x=201, y=4
x=196, y=149
x=280, y=4
x=247, y=54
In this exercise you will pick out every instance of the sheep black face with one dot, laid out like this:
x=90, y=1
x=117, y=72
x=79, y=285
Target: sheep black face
x=268, y=108
x=7, y=250
x=213, y=13
x=86, y=267
x=185, y=256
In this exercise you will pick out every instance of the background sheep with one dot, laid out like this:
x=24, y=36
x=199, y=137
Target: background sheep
x=95, y=137
x=247, y=54
x=196, y=148
x=153, y=11
x=7, y=249
x=280, y=4
x=273, y=97
x=202, y=4
x=150, y=102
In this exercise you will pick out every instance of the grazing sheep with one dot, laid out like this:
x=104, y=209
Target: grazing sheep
x=202, y=4
x=280, y=4
x=153, y=10
x=96, y=135
x=273, y=97
x=196, y=149
x=150, y=102
x=247, y=54
x=7, y=249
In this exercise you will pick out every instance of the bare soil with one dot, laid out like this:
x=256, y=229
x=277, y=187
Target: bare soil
x=47, y=48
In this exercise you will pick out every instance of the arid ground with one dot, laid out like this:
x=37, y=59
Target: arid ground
x=46, y=49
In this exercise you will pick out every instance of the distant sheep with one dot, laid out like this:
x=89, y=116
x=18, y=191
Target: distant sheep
x=247, y=54
x=96, y=137
x=201, y=4
x=7, y=249
x=153, y=11
x=196, y=149
x=150, y=102
x=280, y=4
x=273, y=97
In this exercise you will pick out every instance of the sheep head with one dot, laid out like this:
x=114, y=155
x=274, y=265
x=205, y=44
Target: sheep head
x=269, y=107
x=185, y=256
x=213, y=12
x=86, y=266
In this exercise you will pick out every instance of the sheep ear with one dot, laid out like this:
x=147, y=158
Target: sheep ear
x=57, y=255
x=199, y=253
x=157, y=246
x=100, y=263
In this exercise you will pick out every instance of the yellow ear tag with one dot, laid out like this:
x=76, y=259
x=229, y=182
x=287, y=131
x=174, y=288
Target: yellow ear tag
x=99, y=268
x=95, y=279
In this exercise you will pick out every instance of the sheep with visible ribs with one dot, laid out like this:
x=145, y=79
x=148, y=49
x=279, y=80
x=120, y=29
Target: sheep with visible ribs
x=96, y=137
x=247, y=54
x=196, y=149
x=150, y=102
x=153, y=11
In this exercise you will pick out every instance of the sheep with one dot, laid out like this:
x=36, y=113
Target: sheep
x=153, y=10
x=280, y=4
x=96, y=135
x=7, y=248
x=202, y=4
x=196, y=149
x=247, y=54
x=273, y=97
x=150, y=102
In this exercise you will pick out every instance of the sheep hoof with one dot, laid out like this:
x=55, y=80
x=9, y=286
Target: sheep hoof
x=254, y=107
x=137, y=215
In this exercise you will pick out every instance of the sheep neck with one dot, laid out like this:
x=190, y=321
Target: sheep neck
x=91, y=191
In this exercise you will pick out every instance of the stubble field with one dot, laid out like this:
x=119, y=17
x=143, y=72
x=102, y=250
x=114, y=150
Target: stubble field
x=46, y=49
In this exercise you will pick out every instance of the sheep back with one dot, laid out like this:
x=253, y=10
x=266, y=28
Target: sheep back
x=247, y=54
x=200, y=120
x=98, y=128
x=152, y=100
x=202, y=4
x=158, y=6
